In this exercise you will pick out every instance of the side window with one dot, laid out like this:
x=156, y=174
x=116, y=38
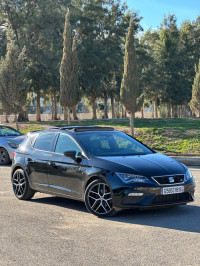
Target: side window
x=44, y=142
x=65, y=143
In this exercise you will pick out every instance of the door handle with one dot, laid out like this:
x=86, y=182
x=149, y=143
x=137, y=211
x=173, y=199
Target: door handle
x=29, y=160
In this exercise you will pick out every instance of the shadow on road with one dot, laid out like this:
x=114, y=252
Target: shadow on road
x=184, y=218
x=62, y=202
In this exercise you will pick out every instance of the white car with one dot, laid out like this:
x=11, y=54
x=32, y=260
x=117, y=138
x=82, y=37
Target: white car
x=10, y=139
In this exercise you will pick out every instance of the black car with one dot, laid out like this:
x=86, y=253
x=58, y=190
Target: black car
x=107, y=169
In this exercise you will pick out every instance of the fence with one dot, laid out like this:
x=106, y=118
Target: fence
x=81, y=116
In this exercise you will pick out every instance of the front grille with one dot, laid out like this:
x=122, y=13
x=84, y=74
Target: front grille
x=173, y=198
x=168, y=180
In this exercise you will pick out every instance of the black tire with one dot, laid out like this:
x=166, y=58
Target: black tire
x=98, y=199
x=4, y=157
x=21, y=186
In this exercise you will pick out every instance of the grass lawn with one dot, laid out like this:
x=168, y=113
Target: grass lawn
x=175, y=136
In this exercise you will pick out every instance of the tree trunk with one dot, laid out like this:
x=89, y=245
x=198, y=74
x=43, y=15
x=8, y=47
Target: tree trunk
x=7, y=121
x=75, y=117
x=65, y=113
x=22, y=117
x=142, y=112
x=113, y=107
x=94, y=110
x=132, y=124
x=181, y=111
x=38, y=116
x=122, y=112
x=26, y=114
x=16, y=121
x=160, y=110
x=54, y=105
x=68, y=116
x=155, y=108
x=105, y=105
x=168, y=110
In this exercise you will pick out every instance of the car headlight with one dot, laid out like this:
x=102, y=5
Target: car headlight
x=130, y=178
x=188, y=175
x=13, y=145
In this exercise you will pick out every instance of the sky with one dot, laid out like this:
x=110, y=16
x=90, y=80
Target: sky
x=153, y=11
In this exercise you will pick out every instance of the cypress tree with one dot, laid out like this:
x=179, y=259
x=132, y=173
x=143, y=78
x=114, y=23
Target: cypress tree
x=195, y=101
x=69, y=87
x=129, y=87
x=13, y=93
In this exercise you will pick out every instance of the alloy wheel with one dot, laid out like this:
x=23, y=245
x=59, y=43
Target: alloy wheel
x=99, y=198
x=19, y=183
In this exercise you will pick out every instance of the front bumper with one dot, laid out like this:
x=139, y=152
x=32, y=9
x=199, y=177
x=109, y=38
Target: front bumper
x=146, y=197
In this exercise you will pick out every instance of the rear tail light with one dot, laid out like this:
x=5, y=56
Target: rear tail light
x=13, y=155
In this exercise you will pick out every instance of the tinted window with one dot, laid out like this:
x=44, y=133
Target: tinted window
x=66, y=143
x=8, y=131
x=45, y=142
x=111, y=144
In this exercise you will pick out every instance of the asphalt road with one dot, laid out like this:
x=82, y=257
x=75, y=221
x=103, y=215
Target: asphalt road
x=54, y=231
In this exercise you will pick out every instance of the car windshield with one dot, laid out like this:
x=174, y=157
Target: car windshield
x=111, y=144
x=8, y=131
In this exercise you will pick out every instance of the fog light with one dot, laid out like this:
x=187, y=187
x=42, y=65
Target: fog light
x=134, y=194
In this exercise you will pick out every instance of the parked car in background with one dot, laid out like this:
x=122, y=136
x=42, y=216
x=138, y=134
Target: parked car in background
x=10, y=139
x=107, y=169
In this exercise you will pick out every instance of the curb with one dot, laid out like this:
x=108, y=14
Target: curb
x=189, y=161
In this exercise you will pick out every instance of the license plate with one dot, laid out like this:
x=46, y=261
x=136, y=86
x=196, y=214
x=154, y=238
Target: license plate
x=172, y=190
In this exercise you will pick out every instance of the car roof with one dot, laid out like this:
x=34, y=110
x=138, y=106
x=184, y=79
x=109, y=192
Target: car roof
x=72, y=129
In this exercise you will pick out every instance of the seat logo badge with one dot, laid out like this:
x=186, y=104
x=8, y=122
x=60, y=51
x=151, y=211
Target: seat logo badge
x=171, y=179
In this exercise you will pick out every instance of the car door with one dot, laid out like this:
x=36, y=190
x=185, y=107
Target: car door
x=66, y=175
x=38, y=160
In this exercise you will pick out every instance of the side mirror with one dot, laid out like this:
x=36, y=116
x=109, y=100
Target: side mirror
x=72, y=155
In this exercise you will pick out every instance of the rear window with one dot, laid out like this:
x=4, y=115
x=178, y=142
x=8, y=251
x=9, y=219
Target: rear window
x=45, y=142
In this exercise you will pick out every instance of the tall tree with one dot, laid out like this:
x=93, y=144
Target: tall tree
x=69, y=87
x=195, y=101
x=13, y=91
x=38, y=26
x=130, y=87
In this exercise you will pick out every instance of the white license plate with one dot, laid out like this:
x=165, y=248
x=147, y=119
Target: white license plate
x=172, y=190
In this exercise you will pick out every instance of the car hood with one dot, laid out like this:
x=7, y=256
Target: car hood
x=14, y=139
x=155, y=164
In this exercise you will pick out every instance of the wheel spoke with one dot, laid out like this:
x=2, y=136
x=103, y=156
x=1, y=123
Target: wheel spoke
x=18, y=176
x=94, y=204
x=17, y=191
x=108, y=193
x=21, y=190
x=15, y=183
x=97, y=208
x=99, y=189
x=104, y=208
x=108, y=199
x=94, y=192
x=107, y=204
x=92, y=197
